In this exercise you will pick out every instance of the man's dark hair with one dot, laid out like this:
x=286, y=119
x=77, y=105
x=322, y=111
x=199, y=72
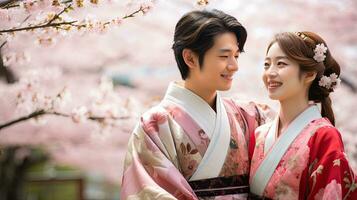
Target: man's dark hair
x=196, y=31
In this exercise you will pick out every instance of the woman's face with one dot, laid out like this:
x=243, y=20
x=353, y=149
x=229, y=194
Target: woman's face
x=282, y=76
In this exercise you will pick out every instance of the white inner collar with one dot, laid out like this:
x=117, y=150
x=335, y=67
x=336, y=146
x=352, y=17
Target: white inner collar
x=193, y=104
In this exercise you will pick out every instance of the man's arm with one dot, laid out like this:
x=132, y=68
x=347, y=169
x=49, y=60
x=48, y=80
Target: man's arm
x=148, y=173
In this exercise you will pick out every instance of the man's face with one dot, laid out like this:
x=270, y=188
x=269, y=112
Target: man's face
x=219, y=63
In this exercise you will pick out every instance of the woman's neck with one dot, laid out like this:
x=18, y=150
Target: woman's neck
x=289, y=110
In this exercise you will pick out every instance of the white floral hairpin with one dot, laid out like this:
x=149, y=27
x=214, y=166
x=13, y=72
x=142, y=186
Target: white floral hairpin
x=329, y=82
x=320, y=51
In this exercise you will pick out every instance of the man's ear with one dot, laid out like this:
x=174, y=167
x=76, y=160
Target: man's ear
x=190, y=58
x=310, y=77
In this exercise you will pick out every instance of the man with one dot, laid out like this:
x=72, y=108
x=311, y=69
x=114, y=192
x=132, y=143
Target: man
x=194, y=144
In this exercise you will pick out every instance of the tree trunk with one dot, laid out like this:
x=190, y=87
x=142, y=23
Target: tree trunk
x=6, y=72
x=13, y=170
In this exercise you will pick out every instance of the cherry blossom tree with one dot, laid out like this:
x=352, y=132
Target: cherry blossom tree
x=78, y=74
x=38, y=97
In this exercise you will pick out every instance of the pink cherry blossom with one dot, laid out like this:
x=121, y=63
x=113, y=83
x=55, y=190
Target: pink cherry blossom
x=79, y=114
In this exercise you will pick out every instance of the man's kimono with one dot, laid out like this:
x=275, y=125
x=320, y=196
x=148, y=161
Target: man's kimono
x=183, y=149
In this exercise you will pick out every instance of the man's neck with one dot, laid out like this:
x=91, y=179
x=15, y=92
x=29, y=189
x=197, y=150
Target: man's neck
x=205, y=93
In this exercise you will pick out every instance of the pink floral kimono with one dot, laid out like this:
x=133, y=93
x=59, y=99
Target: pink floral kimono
x=307, y=161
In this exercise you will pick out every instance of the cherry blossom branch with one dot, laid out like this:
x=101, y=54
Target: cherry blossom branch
x=37, y=27
x=142, y=9
x=32, y=115
x=3, y=44
x=59, y=14
x=44, y=112
x=8, y=4
x=11, y=4
x=4, y=71
x=49, y=24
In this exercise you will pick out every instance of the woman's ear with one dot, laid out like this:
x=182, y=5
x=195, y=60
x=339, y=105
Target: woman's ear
x=309, y=77
x=190, y=58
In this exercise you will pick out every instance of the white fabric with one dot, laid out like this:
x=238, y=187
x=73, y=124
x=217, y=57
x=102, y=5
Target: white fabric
x=271, y=136
x=194, y=105
x=216, y=126
x=271, y=160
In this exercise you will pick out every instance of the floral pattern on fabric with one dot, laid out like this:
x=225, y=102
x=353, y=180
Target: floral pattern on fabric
x=314, y=166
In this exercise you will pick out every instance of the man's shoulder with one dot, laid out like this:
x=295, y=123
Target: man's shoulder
x=252, y=110
x=243, y=105
x=154, y=111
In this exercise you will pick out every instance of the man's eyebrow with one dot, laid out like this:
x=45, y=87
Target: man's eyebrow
x=224, y=50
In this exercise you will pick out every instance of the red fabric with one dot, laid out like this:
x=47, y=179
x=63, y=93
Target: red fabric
x=326, y=146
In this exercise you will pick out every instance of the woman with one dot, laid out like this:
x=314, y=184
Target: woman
x=300, y=155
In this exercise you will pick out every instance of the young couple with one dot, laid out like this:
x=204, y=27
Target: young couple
x=197, y=145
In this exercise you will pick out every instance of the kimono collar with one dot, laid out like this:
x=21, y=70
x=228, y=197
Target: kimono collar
x=215, y=125
x=276, y=149
x=309, y=114
x=194, y=105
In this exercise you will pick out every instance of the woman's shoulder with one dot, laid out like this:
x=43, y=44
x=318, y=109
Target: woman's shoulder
x=324, y=129
x=327, y=138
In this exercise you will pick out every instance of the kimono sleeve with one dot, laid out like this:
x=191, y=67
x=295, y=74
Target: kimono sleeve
x=149, y=173
x=255, y=115
x=330, y=176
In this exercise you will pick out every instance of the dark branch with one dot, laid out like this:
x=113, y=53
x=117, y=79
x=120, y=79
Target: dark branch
x=58, y=14
x=24, y=118
x=11, y=4
x=134, y=13
x=38, y=26
x=7, y=3
x=43, y=112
